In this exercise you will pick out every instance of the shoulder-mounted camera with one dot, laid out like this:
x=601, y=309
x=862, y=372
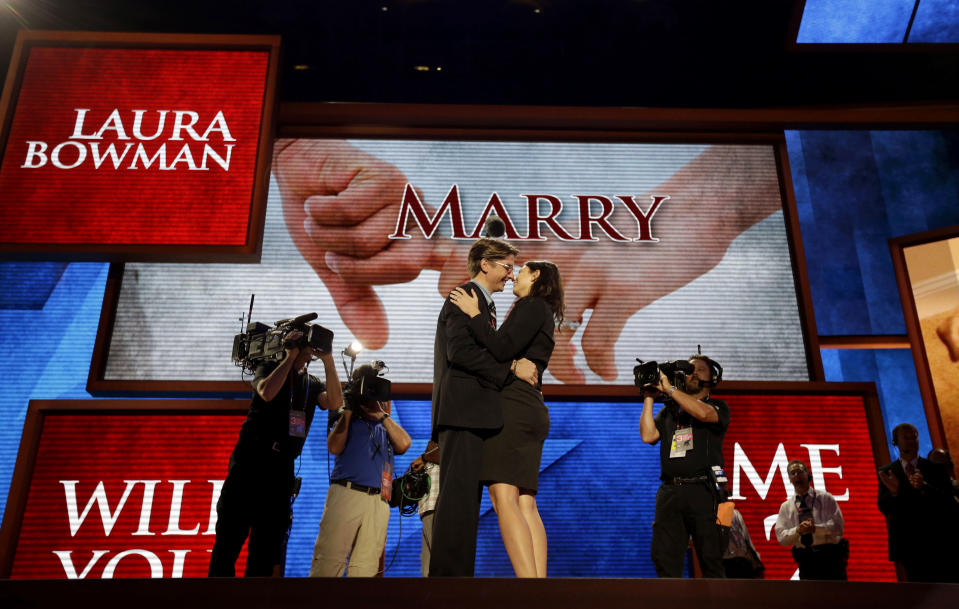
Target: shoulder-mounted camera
x=646, y=374
x=263, y=343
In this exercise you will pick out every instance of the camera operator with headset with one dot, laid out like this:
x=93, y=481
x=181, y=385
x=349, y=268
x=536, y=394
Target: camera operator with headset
x=356, y=513
x=255, y=497
x=691, y=426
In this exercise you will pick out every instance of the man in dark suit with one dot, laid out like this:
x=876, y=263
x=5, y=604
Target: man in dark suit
x=914, y=496
x=466, y=408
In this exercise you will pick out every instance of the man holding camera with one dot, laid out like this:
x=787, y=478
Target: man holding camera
x=356, y=513
x=811, y=523
x=255, y=497
x=691, y=426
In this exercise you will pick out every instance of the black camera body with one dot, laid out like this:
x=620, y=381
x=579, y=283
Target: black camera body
x=409, y=489
x=263, y=343
x=367, y=386
x=376, y=389
x=646, y=374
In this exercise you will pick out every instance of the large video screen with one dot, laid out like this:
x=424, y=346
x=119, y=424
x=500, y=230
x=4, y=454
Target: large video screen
x=132, y=142
x=140, y=500
x=661, y=247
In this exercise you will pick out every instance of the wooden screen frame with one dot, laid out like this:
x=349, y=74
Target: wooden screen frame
x=250, y=250
x=38, y=410
x=927, y=392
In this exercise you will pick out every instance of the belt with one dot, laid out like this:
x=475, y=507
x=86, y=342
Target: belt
x=819, y=547
x=270, y=447
x=678, y=481
x=369, y=490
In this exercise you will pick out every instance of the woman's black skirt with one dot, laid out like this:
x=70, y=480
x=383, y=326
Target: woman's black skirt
x=513, y=455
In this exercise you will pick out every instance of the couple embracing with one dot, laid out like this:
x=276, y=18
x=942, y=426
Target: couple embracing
x=489, y=417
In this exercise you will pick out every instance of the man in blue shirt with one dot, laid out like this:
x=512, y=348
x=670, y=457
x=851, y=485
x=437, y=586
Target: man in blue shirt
x=356, y=513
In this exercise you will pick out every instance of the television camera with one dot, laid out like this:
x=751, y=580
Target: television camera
x=260, y=342
x=367, y=385
x=646, y=374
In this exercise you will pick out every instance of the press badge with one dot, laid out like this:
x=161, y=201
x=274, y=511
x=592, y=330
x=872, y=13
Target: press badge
x=297, y=423
x=386, y=482
x=682, y=441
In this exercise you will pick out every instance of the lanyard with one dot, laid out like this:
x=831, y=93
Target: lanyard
x=374, y=447
x=306, y=391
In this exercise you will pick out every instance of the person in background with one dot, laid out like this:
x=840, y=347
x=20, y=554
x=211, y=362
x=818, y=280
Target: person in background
x=942, y=457
x=690, y=427
x=741, y=560
x=811, y=524
x=255, y=498
x=430, y=460
x=917, y=499
x=356, y=512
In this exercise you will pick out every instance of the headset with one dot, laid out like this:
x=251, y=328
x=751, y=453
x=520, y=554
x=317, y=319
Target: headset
x=898, y=429
x=715, y=370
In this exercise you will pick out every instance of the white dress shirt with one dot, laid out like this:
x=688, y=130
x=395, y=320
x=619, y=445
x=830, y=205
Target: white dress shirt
x=826, y=514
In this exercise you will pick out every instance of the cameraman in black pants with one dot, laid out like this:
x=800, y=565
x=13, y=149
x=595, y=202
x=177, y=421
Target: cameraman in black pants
x=255, y=498
x=691, y=426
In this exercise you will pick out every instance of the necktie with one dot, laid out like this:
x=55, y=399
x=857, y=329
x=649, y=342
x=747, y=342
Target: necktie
x=492, y=314
x=805, y=502
x=910, y=469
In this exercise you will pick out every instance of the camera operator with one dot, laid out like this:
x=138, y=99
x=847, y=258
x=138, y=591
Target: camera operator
x=692, y=426
x=255, y=497
x=356, y=513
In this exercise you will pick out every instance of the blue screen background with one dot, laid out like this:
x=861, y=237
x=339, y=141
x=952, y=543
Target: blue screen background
x=871, y=22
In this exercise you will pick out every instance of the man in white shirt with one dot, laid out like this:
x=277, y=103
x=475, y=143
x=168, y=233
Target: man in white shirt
x=811, y=523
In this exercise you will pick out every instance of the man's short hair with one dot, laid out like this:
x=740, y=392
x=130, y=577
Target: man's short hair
x=795, y=462
x=898, y=430
x=715, y=370
x=489, y=248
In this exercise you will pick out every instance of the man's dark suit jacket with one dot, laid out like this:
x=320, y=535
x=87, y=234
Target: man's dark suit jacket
x=466, y=409
x=466, y=379
x=917, y=520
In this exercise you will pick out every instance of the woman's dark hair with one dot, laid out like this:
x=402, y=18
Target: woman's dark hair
x=548, y=286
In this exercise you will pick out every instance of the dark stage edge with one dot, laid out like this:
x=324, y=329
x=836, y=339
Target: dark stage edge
x=463, y=593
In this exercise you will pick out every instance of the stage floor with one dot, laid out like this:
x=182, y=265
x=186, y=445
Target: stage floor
x=480, y=593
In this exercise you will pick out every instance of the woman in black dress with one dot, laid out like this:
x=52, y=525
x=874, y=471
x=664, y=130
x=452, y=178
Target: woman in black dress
x=511, y=458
